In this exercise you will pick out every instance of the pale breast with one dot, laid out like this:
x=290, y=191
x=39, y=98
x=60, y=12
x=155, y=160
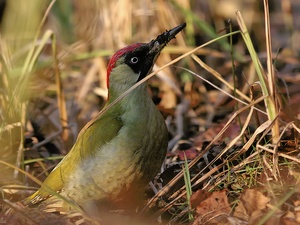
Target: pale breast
x=128, y=162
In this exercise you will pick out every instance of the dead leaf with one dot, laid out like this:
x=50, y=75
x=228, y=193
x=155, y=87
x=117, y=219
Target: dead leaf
x=255, y=204
x=297, y=210
x=254, y=200
x=198, y=197
x=216, y=203
x=189, y=154
x=214, y=207
x=286, y=221
x=241, y=212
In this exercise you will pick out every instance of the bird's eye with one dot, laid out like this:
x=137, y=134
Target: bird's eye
x=134, y=60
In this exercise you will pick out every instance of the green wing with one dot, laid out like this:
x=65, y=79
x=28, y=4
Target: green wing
x=101, y=131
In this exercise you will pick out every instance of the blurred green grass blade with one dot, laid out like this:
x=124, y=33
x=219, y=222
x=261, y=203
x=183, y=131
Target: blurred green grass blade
x=253, y=54
x=188, y=186
x=270, y=105
x=20, y=23
x=203, y=26
x=20, y=29
x=63, y=11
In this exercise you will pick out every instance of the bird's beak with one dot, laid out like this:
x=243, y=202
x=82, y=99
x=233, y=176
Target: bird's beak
x=162, y=40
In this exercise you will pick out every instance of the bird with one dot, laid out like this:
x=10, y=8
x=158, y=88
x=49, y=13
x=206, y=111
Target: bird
x=123, y=148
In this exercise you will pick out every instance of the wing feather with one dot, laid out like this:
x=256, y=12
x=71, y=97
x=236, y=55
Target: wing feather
x=97, y=134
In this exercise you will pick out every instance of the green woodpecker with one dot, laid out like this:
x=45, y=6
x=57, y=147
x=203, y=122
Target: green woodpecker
x=120, y=151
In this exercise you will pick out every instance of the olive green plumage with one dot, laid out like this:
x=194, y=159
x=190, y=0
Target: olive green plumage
x=112, y=153
x=121, y=150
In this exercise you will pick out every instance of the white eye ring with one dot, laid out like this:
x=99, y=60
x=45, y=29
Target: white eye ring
x=134, y=60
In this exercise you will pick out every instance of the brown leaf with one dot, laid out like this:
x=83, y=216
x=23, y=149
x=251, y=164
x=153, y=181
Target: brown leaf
x=198, y=197
x=216, y=203
x=189, y=154
x=286, y=221
x=241, y=212
x=254, y=200
x=211, y=208
x=255, y=204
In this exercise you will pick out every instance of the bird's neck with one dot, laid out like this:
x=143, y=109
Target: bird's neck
x=139, y=92
x=137, y=98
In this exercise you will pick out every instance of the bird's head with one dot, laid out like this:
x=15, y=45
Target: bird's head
x=134, y=62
